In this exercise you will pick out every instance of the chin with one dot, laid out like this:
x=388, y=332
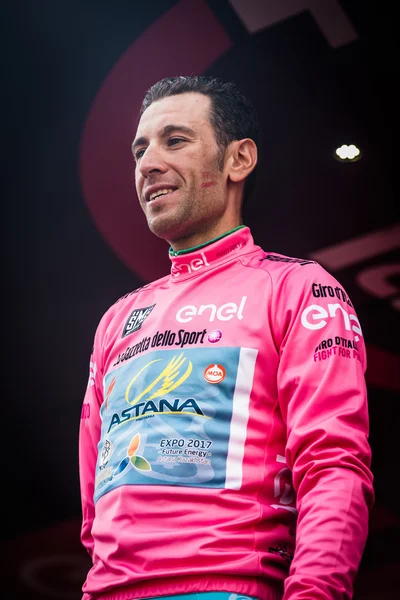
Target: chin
x=162, y=228
x=169, y=229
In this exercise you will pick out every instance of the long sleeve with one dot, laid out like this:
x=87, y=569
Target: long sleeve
x=89, y=435
x=323, y=398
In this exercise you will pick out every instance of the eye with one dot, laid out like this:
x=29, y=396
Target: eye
x=139, y=153
x=174, y=141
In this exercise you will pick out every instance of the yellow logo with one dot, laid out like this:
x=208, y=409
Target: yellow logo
x=168, y=380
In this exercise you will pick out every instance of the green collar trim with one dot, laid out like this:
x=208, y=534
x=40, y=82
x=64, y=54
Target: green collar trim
x=187, y=250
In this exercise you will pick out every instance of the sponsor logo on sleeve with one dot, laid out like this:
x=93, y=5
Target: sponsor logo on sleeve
x=326, y=291
x=85, y=412
x=316, y=317
x=92, y=373
x=336, y=346
x=136, y=319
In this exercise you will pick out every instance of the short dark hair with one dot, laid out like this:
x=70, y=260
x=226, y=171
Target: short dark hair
x=233, y=117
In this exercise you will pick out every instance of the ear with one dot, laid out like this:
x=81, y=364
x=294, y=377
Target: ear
x=242, y=159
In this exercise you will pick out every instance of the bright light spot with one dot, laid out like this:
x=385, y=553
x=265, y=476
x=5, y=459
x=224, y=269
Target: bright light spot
x=346, y=152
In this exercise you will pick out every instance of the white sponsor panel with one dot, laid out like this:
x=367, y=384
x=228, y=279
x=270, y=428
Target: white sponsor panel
x=240, y=417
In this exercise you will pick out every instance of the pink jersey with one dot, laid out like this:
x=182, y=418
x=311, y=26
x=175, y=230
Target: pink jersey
x=226, y=416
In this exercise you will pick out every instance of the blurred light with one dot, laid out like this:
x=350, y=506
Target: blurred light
x=348, y=153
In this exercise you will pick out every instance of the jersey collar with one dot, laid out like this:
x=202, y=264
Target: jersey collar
x=188, y=263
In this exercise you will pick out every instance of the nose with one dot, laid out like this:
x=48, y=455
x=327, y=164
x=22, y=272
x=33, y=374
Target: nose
x=151, y=162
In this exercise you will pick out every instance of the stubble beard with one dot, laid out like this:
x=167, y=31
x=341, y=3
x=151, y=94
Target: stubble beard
x=170, y=222
x=186, y=218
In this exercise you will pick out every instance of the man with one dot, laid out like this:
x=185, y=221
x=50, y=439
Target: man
x=223, y=445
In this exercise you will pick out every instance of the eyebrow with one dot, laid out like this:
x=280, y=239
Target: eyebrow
x=167, y=130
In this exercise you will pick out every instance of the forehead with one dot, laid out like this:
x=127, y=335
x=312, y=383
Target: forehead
x=191, y=109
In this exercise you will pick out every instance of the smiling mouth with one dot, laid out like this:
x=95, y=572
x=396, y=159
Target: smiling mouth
x=160, y=193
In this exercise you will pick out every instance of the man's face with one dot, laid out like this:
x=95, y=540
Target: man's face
x=179, y=181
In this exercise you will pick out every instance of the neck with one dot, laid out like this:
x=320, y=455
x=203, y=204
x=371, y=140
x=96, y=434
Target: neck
x=177, y=252
x=200, y=238
x=229, y=221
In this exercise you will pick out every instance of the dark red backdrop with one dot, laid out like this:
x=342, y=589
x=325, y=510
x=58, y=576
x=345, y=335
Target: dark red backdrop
x=74, y=239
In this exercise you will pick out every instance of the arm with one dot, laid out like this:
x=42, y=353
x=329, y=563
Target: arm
x=322, y=393
x=89, y=435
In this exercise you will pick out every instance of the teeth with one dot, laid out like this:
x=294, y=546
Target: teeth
x=160, y=193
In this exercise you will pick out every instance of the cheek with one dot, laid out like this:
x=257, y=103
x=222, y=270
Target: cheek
x=208, y=179
x=138, y=182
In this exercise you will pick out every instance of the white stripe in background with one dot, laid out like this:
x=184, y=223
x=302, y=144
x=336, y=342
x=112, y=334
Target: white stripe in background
x=240, y=417
x=329, y=16
x=346, y=254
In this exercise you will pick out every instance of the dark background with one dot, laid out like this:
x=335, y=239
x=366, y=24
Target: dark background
x=73, y=240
